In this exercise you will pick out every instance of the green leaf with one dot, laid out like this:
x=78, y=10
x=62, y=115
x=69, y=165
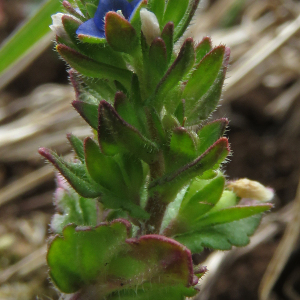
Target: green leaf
x=100, y=256
x=116, y=135
x=126, y=110
x=170, y=184
x=158, y=60
x=77, y=145
x=83, y=255
x=120, y=34
x=203, y=48
x=103, y=169
x=132, y=171
x=183, y=142
x=72, y=11
x=75, y=173
x=102, y=53
x=186, y=20
x=91, y=9
x=28, y=38
x=221, y=237
x=155, y=291
x=210, y=133
x=181, y=66
x=167, y=35
x=180, y=112
x=192, y=208
x=91, y=90
x=135, y=19
x=231, y=214
x=175, y=11
x=89, y=112
x=203, y=77
x=91, y=68
x=73, y=209
x=158, y=8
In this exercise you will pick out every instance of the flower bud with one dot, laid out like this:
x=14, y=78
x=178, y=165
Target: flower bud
x=150, y=25
x=246, y=188
x=57, y=26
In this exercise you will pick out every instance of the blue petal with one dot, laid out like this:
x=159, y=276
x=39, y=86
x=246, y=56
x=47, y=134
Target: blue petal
x=111, y=5
x=89, y=28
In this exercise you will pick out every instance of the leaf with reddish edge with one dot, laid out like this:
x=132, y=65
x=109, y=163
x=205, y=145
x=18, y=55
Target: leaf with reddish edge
x=210, y=133
x=203, y=48
x=100, y=53
x=75, y=173
x=167, y=35
x=70, y=9
x=120, y=34
x=186, y=20
x=203, y=76
x=157, y=61
x=89, y=112
x=104, y=260
x=116, y=135
x=170, y=184
x=202, y=99
x=91, y=68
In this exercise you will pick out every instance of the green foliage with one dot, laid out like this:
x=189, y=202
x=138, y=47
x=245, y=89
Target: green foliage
x=153, y=167
x=107, y=254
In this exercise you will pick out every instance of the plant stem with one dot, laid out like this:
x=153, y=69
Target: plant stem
x=155, y=206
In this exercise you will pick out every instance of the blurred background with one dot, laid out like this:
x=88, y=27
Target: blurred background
x=261, y=100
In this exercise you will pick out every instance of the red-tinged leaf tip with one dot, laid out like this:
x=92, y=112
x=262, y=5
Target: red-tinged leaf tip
x=195, y=280
x=47, y=154
x=120, y=97
x=206, y=39
x=120, y=34
x=168, y=29
x=125, y=222
x=200, y=269
x=222, y=142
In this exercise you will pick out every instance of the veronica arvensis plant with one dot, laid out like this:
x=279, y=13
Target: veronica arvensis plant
x=146, y=190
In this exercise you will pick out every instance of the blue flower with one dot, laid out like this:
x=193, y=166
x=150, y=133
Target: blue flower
x=95, y=26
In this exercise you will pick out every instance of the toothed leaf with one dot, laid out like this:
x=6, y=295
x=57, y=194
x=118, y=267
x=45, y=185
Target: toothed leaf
x=221, y=237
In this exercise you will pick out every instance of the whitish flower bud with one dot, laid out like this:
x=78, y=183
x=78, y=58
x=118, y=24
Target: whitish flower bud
x=150, y=25
x=246, y=188
x=57, y=26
